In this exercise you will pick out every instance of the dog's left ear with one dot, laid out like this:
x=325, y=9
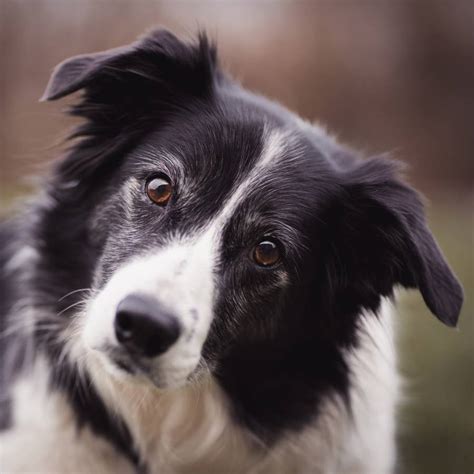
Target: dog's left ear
x=383, y=240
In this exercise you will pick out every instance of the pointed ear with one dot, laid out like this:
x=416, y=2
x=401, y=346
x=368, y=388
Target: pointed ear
x=155, y=57
x=386, y=241
x=127, y=92
x=74, y=73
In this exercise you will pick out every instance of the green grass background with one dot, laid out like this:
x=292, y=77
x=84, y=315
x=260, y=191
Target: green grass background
x=436, y=428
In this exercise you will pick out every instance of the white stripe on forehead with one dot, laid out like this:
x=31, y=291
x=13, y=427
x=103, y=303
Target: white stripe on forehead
x=273, y=149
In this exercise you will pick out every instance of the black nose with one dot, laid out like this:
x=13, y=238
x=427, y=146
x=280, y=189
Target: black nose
x=145, y=327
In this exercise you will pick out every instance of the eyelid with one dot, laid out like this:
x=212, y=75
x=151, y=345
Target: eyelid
x=158, y=174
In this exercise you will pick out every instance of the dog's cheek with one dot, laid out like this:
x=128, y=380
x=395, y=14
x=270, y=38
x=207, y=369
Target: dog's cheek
x=243, y=316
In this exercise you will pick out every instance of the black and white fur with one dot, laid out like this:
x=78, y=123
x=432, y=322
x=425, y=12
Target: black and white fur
x=283, y=369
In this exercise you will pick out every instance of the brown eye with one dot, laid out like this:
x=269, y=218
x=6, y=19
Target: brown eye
x=266, y=253
x=159, y=190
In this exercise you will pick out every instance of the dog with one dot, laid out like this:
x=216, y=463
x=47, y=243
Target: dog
x=205, y=282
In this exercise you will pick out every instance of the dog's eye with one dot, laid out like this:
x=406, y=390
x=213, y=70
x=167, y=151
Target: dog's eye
x=266, y=253
x=159, y=190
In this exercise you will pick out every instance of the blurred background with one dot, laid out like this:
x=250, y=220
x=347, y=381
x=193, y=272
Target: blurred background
x=393, y=76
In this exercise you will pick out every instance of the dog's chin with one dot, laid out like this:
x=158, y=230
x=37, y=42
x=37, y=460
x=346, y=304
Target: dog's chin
x=126, y=370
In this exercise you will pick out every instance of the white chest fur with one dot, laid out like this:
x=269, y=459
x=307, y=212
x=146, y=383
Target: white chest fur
x=44, y=438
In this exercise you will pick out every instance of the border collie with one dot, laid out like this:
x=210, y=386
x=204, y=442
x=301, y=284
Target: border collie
x=204, y=283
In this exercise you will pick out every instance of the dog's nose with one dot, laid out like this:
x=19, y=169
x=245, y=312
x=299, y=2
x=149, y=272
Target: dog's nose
x=144, y=326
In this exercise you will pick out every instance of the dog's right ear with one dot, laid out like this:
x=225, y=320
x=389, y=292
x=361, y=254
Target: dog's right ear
x=159, y=57
x=128, y=91
x=74, y=73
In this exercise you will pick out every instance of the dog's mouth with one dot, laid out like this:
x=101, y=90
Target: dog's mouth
x=126, y=362
x=125, y=365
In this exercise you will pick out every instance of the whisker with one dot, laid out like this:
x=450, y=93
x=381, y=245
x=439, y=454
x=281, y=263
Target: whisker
x=73, y=305
x=74, y=292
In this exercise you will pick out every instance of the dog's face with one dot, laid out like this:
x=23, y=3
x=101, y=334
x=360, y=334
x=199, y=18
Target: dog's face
x=202, y=233
x=223, y=233
x=198, y=237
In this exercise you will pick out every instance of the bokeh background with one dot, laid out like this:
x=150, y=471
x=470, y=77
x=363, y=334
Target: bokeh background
x=393, y=76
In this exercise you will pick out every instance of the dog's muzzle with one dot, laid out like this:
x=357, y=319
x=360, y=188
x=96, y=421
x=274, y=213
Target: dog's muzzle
x=153, y=315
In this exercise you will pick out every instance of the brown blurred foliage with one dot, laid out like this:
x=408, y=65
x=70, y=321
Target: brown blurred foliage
x=383, y=75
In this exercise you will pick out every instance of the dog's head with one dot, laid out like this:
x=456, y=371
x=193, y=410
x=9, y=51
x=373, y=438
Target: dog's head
x=217, y=229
